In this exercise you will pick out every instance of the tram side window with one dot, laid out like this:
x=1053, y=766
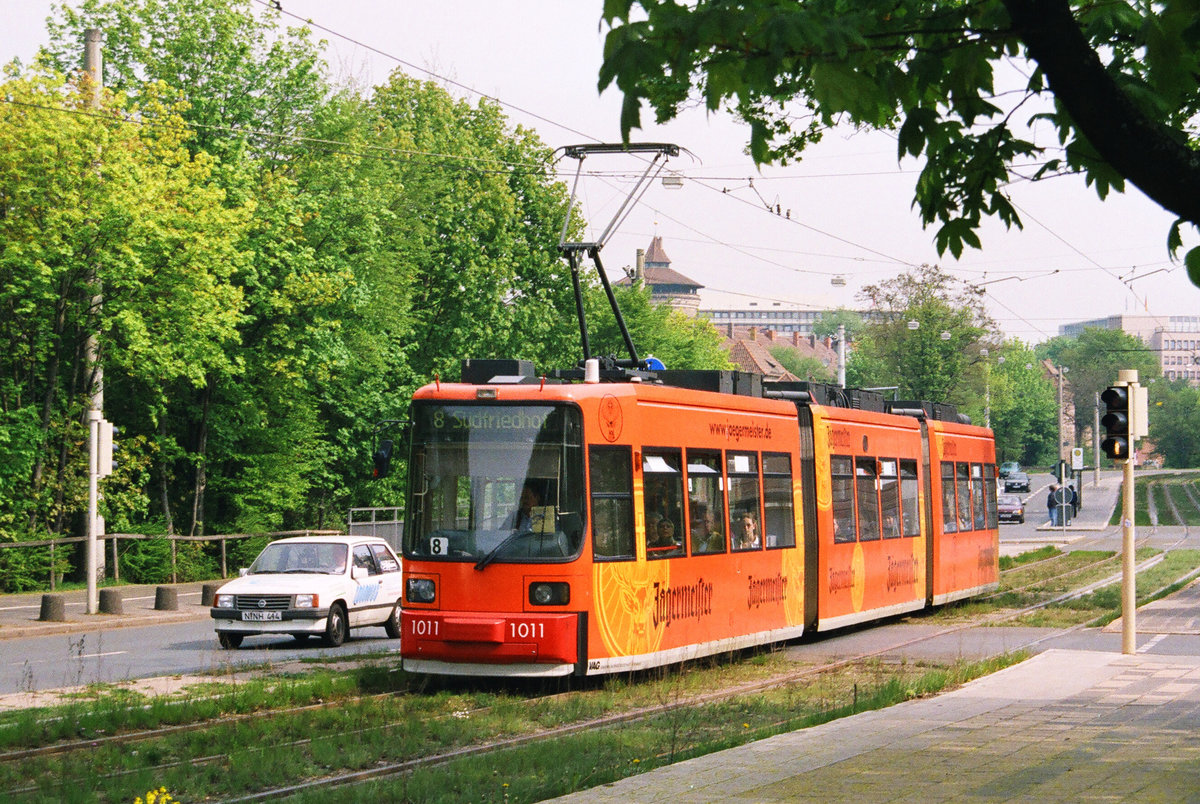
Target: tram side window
x=978, y=504
x=962, y=473
x=706, y=502
x=844, y=528
x=909, y=502
x=777, y=500
x=949, y=522
x=868, y=500
x=989, y=478
x=745, y=518
x=612, y=502
x=889, y=499
x=662, y=474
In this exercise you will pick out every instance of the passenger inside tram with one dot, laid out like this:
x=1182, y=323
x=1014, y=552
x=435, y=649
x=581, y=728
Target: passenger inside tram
x=745, y=532
x=706, y=537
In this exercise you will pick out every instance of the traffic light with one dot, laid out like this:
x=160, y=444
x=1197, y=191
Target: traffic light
x=1116, y=422
x=383, y=459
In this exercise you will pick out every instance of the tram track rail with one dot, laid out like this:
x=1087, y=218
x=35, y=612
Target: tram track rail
x=413, y=764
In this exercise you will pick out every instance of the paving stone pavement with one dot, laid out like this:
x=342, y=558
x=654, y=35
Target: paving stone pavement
x=1065, y=725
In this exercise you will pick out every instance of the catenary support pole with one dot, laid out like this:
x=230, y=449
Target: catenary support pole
x=94, y=565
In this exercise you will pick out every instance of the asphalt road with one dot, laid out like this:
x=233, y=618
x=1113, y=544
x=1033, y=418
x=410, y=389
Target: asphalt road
x=179, y=647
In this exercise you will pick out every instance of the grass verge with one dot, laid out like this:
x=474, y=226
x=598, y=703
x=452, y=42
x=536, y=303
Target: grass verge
x=224, y=756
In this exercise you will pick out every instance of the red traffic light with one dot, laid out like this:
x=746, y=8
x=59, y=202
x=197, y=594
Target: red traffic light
x=1116, y=422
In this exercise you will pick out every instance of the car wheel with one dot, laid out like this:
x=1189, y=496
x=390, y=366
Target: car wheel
x=337, y=626
x=230, y=641
x=1021, y=520
x=392, y=626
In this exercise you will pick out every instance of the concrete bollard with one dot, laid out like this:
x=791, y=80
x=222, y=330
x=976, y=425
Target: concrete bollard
x=54, y=608
x=208, y=593
x=110, y=602
x=166, y=599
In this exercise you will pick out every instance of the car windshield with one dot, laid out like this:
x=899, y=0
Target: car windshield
x=496, y=483
x=324, y=558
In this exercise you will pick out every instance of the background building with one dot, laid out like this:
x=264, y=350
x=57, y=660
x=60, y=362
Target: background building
x=1175, y=339
x=781, y=317
x=667, y=286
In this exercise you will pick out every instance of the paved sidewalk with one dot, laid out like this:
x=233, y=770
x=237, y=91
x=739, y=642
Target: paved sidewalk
x=1095, y=512
x=1062, y=726
x=19, y=613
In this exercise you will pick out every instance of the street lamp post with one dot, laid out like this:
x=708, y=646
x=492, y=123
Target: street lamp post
x=1061, y=441
x=987, y=388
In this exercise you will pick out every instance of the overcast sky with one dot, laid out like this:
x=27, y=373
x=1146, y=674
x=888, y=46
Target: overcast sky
x=849, y=200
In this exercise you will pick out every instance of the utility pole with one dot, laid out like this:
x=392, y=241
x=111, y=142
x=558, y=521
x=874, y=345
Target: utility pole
x=841, y=355
x=93, y=64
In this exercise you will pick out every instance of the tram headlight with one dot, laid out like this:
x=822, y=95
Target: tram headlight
x=546, y=593
x=419, y=590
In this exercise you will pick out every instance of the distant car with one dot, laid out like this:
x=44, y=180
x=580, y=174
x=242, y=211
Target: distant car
x=312, y=586
x=1016, y=481
x=1008, y=467
x=1010, y=508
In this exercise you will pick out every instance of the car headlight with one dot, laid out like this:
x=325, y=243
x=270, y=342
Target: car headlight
x=419, y=590
x=223, y=601
x=545, y=593
x=306, y=601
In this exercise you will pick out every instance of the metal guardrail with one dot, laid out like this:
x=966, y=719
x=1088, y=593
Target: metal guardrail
x=384, y=522
x=223, y=539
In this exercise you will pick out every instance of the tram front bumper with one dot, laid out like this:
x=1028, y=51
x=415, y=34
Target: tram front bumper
x=487, y=638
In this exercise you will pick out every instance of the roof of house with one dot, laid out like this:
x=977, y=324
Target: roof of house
x=751, y=356
x=750, y=348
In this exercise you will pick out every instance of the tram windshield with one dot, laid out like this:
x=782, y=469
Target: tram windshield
x=495, y=483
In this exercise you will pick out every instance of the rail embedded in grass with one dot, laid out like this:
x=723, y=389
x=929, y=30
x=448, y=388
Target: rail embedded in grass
x=226, y=757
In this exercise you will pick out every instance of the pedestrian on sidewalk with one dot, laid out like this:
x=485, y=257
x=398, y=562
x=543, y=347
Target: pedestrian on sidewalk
x=1052, y=504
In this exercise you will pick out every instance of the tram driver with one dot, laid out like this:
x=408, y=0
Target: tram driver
x=522, y=518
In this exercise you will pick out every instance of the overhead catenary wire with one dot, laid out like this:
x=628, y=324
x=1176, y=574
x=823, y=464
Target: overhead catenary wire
x=460, y=162
x=278, y=7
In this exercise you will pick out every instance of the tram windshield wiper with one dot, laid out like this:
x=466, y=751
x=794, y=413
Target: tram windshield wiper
x=498, y=549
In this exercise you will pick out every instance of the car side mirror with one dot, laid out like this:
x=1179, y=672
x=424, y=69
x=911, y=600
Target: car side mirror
x=243, y=572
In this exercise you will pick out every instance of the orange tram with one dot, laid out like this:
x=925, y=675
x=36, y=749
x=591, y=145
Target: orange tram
x=592, y=522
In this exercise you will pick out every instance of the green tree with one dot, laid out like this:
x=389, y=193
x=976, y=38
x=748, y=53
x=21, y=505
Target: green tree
x=93, y=195
x=1174, y=422
x=247, y=82
x=804, y=367
x=932, y=360
x=245, y=88
x=1024, y=406
x=1093, y=359
x=827, y=323
x=679, y=341
x=1120, y=83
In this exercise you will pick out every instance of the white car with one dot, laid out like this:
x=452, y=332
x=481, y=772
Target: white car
x=312, y=586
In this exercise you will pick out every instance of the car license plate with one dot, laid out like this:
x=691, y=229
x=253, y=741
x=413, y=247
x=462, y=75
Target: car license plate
x=262, y=616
